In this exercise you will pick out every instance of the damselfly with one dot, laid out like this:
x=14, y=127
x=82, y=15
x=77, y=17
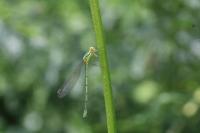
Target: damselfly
x=68, y=85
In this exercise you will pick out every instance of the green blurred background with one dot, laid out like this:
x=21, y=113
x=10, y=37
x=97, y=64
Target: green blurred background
x=154, y=56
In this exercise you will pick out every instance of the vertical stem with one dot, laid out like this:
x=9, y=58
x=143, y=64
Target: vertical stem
x=98, y=28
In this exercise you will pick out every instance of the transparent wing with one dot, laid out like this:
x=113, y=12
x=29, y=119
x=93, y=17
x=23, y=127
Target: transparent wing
x=69, y=83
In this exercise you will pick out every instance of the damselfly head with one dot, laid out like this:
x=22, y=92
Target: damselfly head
x=92, y=50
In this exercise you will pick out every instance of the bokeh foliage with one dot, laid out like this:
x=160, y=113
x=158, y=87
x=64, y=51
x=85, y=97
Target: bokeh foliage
x=154, y=57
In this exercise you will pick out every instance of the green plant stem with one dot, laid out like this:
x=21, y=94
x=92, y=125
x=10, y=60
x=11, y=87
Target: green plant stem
x=98, y=28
